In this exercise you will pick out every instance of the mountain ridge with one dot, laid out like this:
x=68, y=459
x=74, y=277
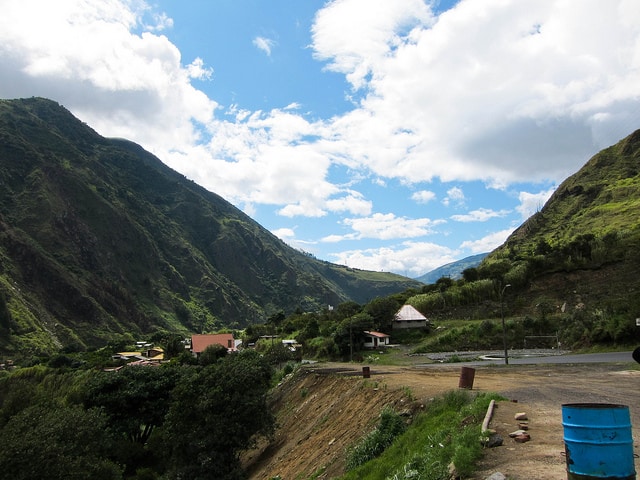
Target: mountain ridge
x=452, y=270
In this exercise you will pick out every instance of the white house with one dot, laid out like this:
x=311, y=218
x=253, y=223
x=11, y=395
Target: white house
x=375, y=339
x=409, y=317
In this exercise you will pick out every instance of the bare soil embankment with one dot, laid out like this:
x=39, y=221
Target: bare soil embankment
x=326, y=408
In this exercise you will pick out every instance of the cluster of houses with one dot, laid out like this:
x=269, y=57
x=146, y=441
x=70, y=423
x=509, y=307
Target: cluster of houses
x=148, y=355
x=406, y=318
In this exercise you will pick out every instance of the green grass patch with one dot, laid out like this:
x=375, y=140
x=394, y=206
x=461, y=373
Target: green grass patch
x=447, y=432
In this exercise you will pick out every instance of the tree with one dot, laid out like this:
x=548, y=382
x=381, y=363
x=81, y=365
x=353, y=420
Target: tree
x=382, y=311
x=470, y=274
x=347, y=309
x=135, y=399
x=349, y=335
x=215, y=414
x=212, y=354
x=51, y=441
x=310, y=330
x=173, y=347
x=277, y=354
x=5, y=314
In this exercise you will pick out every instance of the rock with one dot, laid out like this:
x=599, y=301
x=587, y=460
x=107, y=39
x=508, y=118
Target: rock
x=525, y=437
x=516, y=433
x=453, y=473
x=496, y=476
x=523, y=426
x=494, y=441
x=521, y=416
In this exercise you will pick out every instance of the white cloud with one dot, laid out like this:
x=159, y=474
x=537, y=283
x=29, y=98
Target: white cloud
x=264, y=44
x=388, y=226
x=356, y=35
x=196, y=69
x=479, y=215
x=454, y=195
x=411, y=259
x=285, y=234
x=531, y=203
x=353, y=203
x=423, y=196
x=504, y=91
x=488, y=243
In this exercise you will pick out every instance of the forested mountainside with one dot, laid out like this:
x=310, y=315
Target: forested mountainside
x=98, y=238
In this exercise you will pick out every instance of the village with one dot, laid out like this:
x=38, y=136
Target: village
x=148, y=354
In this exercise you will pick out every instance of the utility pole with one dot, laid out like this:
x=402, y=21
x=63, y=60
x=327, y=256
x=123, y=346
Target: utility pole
x=504, y=328
x=350, y=340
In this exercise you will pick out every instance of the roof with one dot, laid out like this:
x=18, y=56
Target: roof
x=200, y=342
x=409, y=313
x=377, y=334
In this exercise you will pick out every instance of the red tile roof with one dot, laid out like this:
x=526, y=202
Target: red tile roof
x=377, y=334
x=200, y=342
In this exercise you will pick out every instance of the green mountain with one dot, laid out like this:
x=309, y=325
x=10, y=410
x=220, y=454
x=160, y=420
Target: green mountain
x=452, y=270
x=582, y=249
x=99, y=239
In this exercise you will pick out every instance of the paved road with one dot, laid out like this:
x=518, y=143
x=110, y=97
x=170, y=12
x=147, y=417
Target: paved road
x=609, y=357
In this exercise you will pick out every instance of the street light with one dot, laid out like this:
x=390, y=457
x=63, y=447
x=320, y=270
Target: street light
x=504, y=328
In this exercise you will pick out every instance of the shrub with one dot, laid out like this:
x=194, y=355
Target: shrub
x=389, y=427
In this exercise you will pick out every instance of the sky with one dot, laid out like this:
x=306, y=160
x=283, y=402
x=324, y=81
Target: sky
x=384, y=135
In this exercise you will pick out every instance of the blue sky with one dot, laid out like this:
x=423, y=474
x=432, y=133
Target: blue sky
x=395, y=136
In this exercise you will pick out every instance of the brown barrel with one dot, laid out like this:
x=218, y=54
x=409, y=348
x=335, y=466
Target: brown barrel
x=366, y=373
x=467, y=374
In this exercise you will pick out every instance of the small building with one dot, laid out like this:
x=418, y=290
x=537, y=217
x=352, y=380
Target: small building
x=200, y=342
x=155, y=354
x=409, y=317
x=128, y=356
x=292, y=344
x=375, y=339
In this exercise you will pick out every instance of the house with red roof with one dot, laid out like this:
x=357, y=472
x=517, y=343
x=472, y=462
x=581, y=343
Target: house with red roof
x=375, y=339
x=200, y=342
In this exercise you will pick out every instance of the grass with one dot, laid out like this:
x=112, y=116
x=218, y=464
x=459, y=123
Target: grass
x=447, y=432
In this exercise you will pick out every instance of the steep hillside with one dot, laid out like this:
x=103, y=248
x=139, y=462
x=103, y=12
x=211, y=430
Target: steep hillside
x=583, y=246
x=601, y=199
x=98, y=238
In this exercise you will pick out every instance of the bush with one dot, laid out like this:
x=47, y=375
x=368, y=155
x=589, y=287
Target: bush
x=389, y=427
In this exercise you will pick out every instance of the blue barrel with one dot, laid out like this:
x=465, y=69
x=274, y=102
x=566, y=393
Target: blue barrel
x=598, y=441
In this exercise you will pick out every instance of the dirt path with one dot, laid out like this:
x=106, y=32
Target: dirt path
x=323, y=414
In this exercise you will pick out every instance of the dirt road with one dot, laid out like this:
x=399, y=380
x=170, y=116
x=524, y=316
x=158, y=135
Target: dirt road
x=312, y=437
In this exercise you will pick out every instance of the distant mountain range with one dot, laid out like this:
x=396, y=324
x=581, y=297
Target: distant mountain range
x=100, y=240
x=452, y=270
